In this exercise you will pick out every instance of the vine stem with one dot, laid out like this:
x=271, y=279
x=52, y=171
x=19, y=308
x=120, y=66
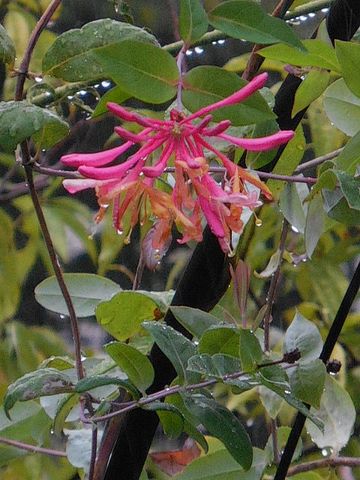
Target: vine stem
x=32, y=448
x=26, y=161
x=323, y=463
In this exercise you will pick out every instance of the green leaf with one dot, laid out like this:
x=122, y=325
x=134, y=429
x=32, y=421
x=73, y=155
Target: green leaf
x=95, y=381
x=220, y=465
x=318, y=54
x=292, y=204
x=65, y=406
x=338, y=415
x=20, y=120
x=271, y=267
x=250, y=350
x=349, y=158
x=307, y=381
x=271, y=401
x=193, y=21
x=194, y=320
x=123, y=315
x=247, y=20
x=282, y=437
x=314, y=225
x=135, y=364
x=174, y=345
x=337, y=207
x=216, y=365
x=86, y=291
x=142, y=70
x=46, y=381
x=7, y=47
x=342, y=107
x=73, y=55
x=220, y=340
x=350, y=186
x=170, y=415
x=205, y=85
x=224, y=425
x=348, y=54
x=116, y=95
x=304, y=336
x=79, y=447
x=310, y=89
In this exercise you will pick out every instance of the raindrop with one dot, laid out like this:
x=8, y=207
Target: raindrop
x=312, y=15
x=62, y=317
x=221, y=42
x=287, y=392
x=119, y=231
x=199, y=50
x=294, y=229
x=258, y=222
x=82, y=92
x=52, y=431
x=38, y=79
x=105, y=84
x=70, y=97
x=324, y=10
x=189, y=52
x=303, y=18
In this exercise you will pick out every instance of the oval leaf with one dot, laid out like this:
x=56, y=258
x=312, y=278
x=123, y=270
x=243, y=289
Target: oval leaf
x=96, y=381
x=135, y=364
x=246, y=20
x=348, y=54
x=304, y=336
x=143, y=70
x=86, y=291
x=307, y=381
x=44, y=382
x=194, y=320
x=224, y=425
x=7, y=47
x=193, y=22
x=342, y=107
x=20, y=120
x=72, y=55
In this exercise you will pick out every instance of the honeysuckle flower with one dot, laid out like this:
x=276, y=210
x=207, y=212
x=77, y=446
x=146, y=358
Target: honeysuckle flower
x=183, y=142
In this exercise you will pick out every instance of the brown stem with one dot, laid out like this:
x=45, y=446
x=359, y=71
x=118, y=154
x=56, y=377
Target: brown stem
x=323, y=463
x=32, y=448
x=318, y=160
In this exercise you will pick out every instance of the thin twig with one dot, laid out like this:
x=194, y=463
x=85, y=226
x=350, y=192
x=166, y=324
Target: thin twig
x=323, y=463
x=318, y=160
x=273, y=288
x=32, y=448
x=93, y=451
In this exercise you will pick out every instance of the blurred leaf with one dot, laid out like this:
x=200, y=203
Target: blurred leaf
x=20, y=120
x=205, y=85
x=292, y=204
x=135, y=364
x=78, y=447
x=272, y=401
x=193, y=21
x=318, y=54
x=342, y=107
x=350, y=186
x=95, y=381
x=224, y=425
x=337, y=207
x=304, y=336
x=271, y=267
x=338, y=415
x=74, y=56
x=250, y=350
x=143, y=70
x=194, y=320
x=220, y=340
x=349, y=158
x=307, y=381
x=65, y=406
x=314, y=224
x=116, y=95
x=282, y=437
x=311, y=88
x=46, y=381
x=123, y=315
x=86, y=291
x=174, y=345
x=348, y=54
x=7, y=47
x=247, y=20
x=220, y=465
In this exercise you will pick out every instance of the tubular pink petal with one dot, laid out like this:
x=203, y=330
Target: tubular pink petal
x=219, y=128
x=204, y=122
x=129, y=116
x=108, y=173
x=132, y=137
x=212, y=219
x=95, y=159
x=261, y=143
x=157, y=169
x=74, y=186
x=239, y=96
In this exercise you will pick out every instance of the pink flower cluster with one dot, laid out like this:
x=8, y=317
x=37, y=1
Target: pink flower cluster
x=180, y=142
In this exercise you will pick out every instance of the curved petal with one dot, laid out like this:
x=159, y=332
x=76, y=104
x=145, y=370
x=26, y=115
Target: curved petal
x=261, y=143
x=97, y=159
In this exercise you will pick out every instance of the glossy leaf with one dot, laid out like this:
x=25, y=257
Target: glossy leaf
x=95, y=381
x=224, y=425
x=338, y=415
x=135, y=364
x=142, y=70
x=307, y=381
x=123, y=315
x=317, y=54
x=7, y=47
x=220, y=340
x=216, y=365
x=348, y=54
x=205, y=85
x=293, y=205
x=304, y=336
x=337, y=207
x=349, y=158
x=86, y=290
x=72, y=56
x=342, y=107
x=116, y=95
x=246, y=20
x=65, y=406
x=168, y=414
x=310, y=89
x=46, y=381
x=250, y=351
x=271, y=267
x=174, y=345
x=193, y=22
x=194, y=320
x=271, y=401
x=350, y=187
x=20, y=120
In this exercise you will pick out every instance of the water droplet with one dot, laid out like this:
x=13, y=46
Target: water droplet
x=38, y=79
x=324, y=10
x=221, y=42
x=105, y=84
x=294, y=229
x=258, y=222
x=189, y=52
x=62, y=317
x=303, y=18
x=287, y=392
x=199, y=50
x=312, y=15
x=119, y=231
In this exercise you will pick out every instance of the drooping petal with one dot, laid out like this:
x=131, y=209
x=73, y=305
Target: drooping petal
x=157, y=169
x=261, y=143
x=107, y=173
x=97, y=159
x=77, y=185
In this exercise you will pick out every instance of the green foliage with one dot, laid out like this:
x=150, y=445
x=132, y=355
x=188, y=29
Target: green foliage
x=193, y=22
x=7, y=47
